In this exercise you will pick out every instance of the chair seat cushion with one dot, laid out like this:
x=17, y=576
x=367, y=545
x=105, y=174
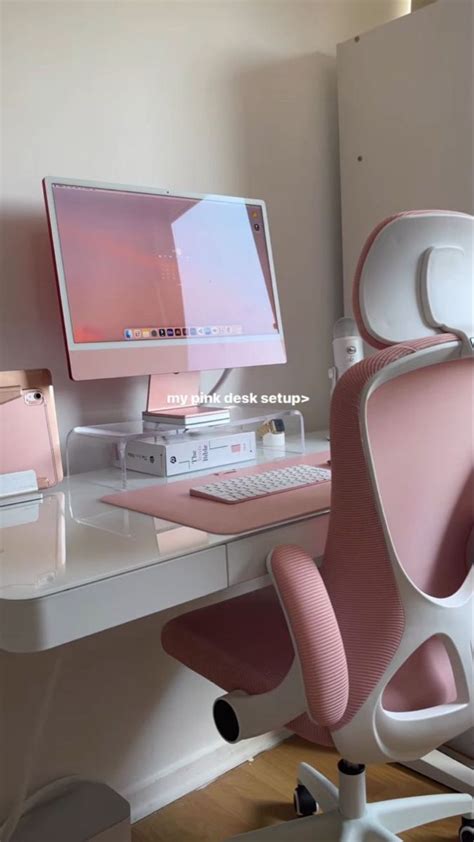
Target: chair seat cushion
x=239, y=644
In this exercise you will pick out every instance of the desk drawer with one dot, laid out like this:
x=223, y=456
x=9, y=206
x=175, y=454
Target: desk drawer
x=51, y=620
x=246, y=557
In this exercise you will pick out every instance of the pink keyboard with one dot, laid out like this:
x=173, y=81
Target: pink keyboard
x=252, y=486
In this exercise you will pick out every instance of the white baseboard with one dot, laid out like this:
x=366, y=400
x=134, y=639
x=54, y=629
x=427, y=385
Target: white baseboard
x=195, y=771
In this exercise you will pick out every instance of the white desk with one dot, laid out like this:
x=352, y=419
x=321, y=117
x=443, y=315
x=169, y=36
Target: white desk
x=71, y=566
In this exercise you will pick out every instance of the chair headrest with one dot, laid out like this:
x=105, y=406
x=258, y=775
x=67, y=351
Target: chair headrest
x=415, y=279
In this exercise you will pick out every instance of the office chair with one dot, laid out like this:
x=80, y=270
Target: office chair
x=371, y=653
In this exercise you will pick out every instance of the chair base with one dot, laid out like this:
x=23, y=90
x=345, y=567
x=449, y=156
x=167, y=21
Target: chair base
x=347, y=816
x=447, y=767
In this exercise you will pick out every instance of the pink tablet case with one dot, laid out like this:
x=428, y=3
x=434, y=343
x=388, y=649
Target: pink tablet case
x=29, y=438
x=173, y=501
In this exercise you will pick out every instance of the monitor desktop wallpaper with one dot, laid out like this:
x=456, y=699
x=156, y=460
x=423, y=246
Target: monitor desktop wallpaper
x=148, y=266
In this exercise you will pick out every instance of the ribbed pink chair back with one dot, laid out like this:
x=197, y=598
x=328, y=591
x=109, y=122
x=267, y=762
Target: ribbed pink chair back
x=424, y=462
x=420, y=433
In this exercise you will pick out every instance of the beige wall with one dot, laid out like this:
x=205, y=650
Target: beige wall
x=232, y=97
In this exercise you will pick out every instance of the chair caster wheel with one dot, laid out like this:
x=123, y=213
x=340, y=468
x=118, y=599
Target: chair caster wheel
x=304, y=803
x=466, y=831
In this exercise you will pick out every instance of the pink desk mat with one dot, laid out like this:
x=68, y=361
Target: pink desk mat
x=173, y=501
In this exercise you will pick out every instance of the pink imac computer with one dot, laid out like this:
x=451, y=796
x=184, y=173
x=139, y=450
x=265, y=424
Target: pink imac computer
x=157, y=283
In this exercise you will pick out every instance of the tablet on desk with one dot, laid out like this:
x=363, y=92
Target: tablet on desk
x=29, y=438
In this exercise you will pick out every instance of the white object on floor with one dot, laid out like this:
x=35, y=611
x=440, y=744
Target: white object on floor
x=251, y=486
x=86, y=812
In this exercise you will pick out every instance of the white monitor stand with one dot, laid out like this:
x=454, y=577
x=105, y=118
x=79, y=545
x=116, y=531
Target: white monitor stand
x=171, y=393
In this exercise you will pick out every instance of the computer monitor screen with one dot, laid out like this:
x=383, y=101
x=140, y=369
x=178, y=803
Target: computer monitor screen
x=151, y=282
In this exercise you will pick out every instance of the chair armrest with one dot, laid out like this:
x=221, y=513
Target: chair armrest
x=315, y=632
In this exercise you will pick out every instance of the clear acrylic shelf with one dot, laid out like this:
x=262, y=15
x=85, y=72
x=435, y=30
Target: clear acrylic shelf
x=109, y=441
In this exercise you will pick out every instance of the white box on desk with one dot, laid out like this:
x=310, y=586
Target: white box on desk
x=194, y=452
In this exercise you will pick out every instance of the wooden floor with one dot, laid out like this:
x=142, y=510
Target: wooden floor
x=258, y=794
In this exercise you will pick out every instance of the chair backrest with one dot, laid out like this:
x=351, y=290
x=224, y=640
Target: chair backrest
x=398, y=558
